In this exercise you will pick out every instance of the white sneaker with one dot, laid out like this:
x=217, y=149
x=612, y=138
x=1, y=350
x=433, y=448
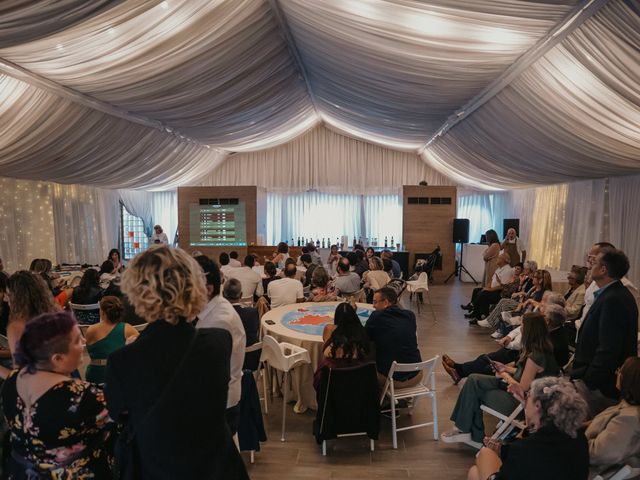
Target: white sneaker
x=455, y=436
x=484, y=323
x=497, y=335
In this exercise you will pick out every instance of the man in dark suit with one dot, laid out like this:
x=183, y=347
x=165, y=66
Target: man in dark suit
x=393, y=331
x=307, y=261
x=608, y=335
x=250, y=321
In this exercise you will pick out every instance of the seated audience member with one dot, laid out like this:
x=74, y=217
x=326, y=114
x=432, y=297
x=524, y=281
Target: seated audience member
x=116, y=259
x=346, y=282
x=613, y=434
x=322, y=290
x=361, y=264
x=491, y=293
x=574, y=296
x=58, y=424
x=270, y=274
x=106, y=337
x=536, y=360
x=106, y=274
x=376, y=277
x=554, y=315
x=280, y=256
x=314, y=254
x=304, y=251
x=219, y=313
x=251, y=280
x=393, y=332
x=42, y=267
x=167, y=288
x=395, y=266
x=287, y=290
x=530, y=303
x=370, y=252
x=28, y=296
x=232, y=291
x=307, y=263
x=89, y=291
x=233, y=259
x=334, y=258
x=345, y=342
x=556, y=448
x=387, y=266
x=225, y=266
x=299, y=273
x=514, y=285
x=608, y=334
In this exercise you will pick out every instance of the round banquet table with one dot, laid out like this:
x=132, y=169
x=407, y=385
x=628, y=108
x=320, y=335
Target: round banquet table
x=302, y=324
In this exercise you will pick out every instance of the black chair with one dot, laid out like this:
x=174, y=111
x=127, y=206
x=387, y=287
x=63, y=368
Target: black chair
x=347, y=404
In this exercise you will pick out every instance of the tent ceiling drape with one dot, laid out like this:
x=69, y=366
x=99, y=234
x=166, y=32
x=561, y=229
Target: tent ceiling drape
x=153, y=94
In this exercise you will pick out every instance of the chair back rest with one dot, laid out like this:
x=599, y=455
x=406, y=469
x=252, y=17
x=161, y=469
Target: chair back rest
x=348, y=402
x=282, y=356
x=86, y=314
x=358, y=296
x=141, y=327
x=427, y=367
x=253, y=348
x=247, y=301
x=423, y=278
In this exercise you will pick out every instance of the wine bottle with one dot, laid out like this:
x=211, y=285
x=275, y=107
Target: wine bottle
x=386, y=242
x=323, y=244
x=393, y=244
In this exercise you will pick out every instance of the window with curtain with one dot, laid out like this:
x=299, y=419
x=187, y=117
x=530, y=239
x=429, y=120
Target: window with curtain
x=134, y=238
x=328, y=216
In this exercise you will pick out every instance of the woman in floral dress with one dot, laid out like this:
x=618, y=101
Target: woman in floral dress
x=59, y=425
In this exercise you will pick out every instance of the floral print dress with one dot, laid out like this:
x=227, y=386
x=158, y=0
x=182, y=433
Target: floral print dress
x=63, y=434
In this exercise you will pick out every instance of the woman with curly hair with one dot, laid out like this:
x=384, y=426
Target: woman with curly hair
x=555, y=449
x=59, y=425
x=172, y=383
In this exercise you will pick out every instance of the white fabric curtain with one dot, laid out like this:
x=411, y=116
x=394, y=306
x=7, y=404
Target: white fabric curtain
x=140, y=204
x=326, y=161
x=624, y=219
x=165, y=212
x=320, y=215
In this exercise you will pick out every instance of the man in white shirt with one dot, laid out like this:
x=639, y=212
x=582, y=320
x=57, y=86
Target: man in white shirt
x=491, y=294
x=158, y=237
x=287, y=290
x=251, y=280
x=219, y=313
x=233, y=260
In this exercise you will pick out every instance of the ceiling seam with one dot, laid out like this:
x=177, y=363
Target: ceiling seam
x=566, y=26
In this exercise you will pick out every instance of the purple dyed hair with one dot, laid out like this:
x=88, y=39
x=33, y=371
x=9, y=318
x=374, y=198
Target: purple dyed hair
x=44, y=336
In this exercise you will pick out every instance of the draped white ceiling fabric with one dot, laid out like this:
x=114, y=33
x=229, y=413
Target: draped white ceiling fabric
x=154, y=94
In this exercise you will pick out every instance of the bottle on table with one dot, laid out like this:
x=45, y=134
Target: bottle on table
x=386, y=242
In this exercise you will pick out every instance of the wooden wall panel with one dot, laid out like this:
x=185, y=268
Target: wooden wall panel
x=425, y=226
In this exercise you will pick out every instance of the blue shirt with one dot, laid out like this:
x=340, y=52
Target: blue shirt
x=393, y=331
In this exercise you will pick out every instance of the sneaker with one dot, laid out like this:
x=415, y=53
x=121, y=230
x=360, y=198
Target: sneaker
x=456, y=436
x=484, y=323
x=497, y=335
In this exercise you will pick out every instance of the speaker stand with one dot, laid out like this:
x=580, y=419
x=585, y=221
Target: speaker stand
x=461, y=268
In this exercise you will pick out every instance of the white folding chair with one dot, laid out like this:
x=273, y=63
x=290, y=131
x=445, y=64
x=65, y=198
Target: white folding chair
x=247, y=301
x=421, y=285
x=426, y=387
x=283, y=357
x=358, y=297
x=86, y=314
x=141, y=327
x=507, y=422
x=254, y=348
x=622, y=474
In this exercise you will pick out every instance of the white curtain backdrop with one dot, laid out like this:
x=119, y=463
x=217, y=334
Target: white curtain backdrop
x=326, y=161
x=624, y=219
x=321, y=215
x=165, y=212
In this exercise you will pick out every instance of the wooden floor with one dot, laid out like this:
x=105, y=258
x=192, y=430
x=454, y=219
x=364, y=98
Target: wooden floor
x=418, y=455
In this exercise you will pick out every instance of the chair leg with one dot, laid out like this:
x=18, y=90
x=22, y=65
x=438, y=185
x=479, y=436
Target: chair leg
x=394, y=432
x=266, y=391
x=253, y=459
x=284, y=403
x=324, y=448
x=434, y=413
x=372, y=444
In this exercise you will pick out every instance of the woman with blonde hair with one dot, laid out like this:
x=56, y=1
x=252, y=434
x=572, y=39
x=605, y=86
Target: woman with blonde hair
x=375, y=278
x=172, y=383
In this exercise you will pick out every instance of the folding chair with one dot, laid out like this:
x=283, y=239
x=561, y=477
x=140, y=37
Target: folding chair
x=247, y=301
x=86, y=314
x=256, y=374
x=421, y=285
x=426, y=387
x=141, y=327
x=347, y=404
x=283, y=357
x=507, y=422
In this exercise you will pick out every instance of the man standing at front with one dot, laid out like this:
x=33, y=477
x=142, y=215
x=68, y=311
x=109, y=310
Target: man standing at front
x=608, y=335
x=393, y=331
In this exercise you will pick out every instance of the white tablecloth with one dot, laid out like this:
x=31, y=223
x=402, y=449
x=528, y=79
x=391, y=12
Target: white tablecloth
x=302, y=377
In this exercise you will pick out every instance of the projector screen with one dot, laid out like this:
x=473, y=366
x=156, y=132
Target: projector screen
x=217, y=225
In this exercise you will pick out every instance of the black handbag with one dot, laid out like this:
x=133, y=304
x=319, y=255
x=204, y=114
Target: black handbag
x=126, y=452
